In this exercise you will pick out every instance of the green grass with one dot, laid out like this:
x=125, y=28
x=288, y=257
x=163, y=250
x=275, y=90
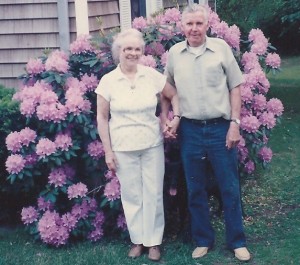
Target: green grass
x=271, y=202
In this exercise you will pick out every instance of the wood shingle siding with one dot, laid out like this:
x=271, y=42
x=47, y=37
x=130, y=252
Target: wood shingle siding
x=28, y=27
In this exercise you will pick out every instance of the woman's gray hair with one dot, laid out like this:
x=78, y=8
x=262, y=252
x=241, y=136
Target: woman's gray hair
x=192, y=8
x=119, y=40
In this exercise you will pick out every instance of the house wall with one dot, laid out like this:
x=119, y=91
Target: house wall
x=28, y=27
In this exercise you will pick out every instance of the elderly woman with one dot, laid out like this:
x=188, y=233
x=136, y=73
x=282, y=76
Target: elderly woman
x=133, y=138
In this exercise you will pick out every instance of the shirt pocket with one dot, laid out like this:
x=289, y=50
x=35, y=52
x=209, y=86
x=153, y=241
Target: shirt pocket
x=214, y=76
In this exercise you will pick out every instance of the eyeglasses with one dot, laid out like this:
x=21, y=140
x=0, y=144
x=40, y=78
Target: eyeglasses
x=128, y=50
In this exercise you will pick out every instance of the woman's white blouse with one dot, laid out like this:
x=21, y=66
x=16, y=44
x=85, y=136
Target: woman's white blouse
x=133, y=124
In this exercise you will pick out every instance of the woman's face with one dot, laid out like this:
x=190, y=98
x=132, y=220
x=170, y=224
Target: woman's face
x=130, y=51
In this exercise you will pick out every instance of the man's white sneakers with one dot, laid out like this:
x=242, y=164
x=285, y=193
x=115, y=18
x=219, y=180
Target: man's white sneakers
x=242, y=254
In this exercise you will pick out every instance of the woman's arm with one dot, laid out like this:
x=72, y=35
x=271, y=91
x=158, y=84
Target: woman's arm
x=169, y=96
x=103, y=130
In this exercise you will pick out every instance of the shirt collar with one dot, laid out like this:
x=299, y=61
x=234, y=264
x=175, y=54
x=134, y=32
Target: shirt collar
x=120, y=75
x=209, y=44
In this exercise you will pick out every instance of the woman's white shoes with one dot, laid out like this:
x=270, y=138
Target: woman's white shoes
x=199, y=252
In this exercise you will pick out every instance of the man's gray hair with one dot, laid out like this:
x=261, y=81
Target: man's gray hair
x=192, y=8
x=119, y=40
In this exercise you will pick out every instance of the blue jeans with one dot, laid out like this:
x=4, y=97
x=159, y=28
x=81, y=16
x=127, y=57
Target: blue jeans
x=197, y=143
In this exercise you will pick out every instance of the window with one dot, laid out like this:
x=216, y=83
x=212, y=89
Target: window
x=138, y=8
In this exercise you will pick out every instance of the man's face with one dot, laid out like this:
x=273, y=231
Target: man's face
x=194, y=28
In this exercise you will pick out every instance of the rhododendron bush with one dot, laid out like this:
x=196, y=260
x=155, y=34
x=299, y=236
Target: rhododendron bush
x=60, y=153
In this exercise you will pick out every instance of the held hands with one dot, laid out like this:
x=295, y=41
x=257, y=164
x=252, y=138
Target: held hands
x=111, y=161
x=170, y=127
x=233, y=136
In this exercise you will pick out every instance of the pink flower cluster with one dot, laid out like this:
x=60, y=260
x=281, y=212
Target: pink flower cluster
x=29, y=215
x=148, y=60
x=273, y=60
x=265, y=154
x=45, y=147
x=112, y=190
x=57, y=61
x=63, y=141
x=121, y=222
x=77, y=190
x=58, y=177
x=95, y=149
x=15, y=140
x=35, y=66
x=15, y=164
x=259, y=41
x=52, y=230
x=81, y=45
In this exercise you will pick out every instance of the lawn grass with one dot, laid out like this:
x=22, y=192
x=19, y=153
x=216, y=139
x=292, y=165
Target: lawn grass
x=271, y=201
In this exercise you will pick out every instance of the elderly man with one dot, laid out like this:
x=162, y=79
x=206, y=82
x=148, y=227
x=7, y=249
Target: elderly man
x=208, y=79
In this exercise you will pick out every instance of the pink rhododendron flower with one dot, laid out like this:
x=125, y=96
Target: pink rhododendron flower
x=43, y=204
x=35, y=66
x=232, y=37
x=77, y=190
x=57, y=177
x=148, y=60
x=250, y=167
x=139, y=23
x=112, y=190
x=63, y=141
x=110, y=174
x=48, y=97
x=250, y=61
x=29, y=215
x=31, y=159
x=246, y=94
x=273, y=60
x=260, y=43
x=154, y=49
x=164, y=59
x=90, y=81
x=171, y=15
x=99, y=219
x=250, y=124
x=75, y=86
x=267, y=119
x=15, y=164
x=242, y=153
x=166, y=32
x=259, y=102
x=57, y=61
x=95, y=149
x=213, y=19
x=69, y=221
x=220, y=29
x=246, y=111
x=81, y=45
x=80, y=211
x=27, y=136
x=27, y=108
x=45, y=147
x=52, y=230
x=55, y=112
x=96, y=234
x=255, y=34
x=275, y=106
x=265, y=153
x=13, y=142
x=121, y=222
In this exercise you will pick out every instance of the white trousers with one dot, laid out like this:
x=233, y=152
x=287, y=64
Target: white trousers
x=141, y=176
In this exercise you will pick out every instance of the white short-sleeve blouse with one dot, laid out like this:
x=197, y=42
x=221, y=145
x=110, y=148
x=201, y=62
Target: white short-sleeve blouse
x=133, y=124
